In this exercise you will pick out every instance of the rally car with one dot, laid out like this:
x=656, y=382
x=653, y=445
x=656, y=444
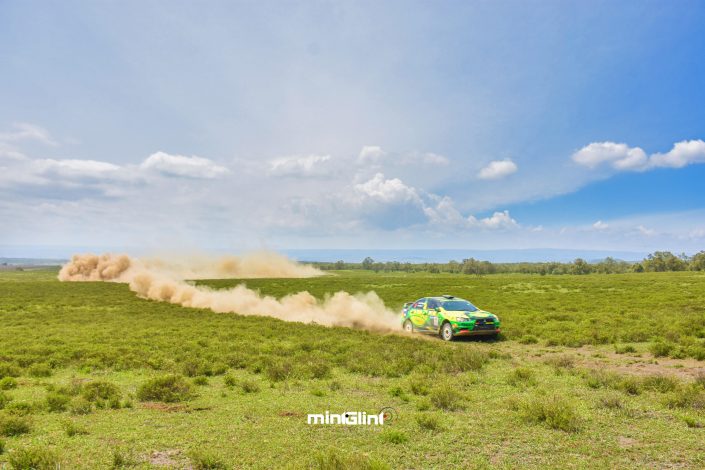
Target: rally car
x=448, y=316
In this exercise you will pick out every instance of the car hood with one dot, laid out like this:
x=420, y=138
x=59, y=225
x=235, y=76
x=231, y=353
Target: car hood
x=475, y=314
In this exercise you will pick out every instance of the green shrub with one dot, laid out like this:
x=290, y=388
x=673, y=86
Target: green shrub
x=20, y=408
x=9, y=370
x=628, y=348
x=394, y=436
x=8, y=383
x=692, y=422
x=2, y=447
x=317, y=392
x=612, y=401
x=72, y=428
x=528, y=339
x=103, y=394
x=229, y=380
x=318, y=369
x=562, y=361
x=553, y=412
x=57, y=402
x=521, y=376
x=201, y=380
x=40, y=370
x=4, y=400
x=659, y=383
x=700, y=379
x=335, y=460
x=630, y=384
x=249, y=386
x=278, y=371
x=429, y=422
x=124, y=459
x=399, y=393
x=201, y=460
x=80, y=406
x=661, y=349
x=419, y=385
x=463, y=360
x=686, y=397
x=167, y=389
x=13, y=426
x=35, y=458
x=446, y=397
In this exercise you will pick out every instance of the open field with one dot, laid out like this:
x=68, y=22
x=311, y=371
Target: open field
x=574, y=383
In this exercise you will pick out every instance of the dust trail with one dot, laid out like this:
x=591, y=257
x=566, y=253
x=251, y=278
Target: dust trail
x=164, y=280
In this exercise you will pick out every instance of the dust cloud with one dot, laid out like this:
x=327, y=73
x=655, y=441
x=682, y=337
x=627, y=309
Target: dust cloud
x=166, y=280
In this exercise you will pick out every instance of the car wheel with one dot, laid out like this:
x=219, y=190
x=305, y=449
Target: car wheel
x=408, y=327
x=447, y=332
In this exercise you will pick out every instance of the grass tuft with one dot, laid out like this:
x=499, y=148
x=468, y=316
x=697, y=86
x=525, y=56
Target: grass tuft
x=429, y=422
x=553, y=412
x=201, y=460
x=336, y=460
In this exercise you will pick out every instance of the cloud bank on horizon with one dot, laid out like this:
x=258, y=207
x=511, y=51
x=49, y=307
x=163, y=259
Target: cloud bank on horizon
x=310, y=130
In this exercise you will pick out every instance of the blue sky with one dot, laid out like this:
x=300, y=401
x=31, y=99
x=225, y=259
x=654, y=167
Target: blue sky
x=238, y=125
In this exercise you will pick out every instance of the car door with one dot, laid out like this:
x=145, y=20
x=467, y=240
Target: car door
x=416, y=314
x=431, y=314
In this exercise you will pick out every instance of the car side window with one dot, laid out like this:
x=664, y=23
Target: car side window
x=432, y=304
x=419, y=303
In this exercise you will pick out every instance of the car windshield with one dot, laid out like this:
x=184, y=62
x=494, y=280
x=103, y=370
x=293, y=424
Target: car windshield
x=459, y=305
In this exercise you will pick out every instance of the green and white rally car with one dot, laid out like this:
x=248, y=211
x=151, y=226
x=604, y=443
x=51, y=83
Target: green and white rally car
x=448, y=316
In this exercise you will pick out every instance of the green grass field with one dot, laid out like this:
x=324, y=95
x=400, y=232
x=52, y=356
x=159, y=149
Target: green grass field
x=592, y=371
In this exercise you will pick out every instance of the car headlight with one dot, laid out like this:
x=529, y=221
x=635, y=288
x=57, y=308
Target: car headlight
x=462, y=319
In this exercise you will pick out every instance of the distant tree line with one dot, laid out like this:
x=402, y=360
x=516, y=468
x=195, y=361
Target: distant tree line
x=658, y=261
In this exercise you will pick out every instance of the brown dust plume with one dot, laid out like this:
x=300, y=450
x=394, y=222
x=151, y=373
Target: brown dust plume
x=165, y=280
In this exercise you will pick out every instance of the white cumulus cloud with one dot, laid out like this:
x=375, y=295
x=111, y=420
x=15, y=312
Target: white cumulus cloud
x=371, y=154
x=497, y=169
x=498, y=220
x=600, y=225
x=299, y=165
x=179, y=165
x=76, y=169
x=389, y=191
x=621, y=157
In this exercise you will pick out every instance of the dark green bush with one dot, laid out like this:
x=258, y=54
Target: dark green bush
x=103, y=394
x=57, y=402
x=201, y=380
x=34, y=458
x=13, y=426
x=661, y=349
x=8, y=383
x=167, y=389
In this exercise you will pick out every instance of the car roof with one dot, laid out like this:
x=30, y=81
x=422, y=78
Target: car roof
x=444, y=298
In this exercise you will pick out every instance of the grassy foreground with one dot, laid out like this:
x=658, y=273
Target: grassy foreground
x=93, y=377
